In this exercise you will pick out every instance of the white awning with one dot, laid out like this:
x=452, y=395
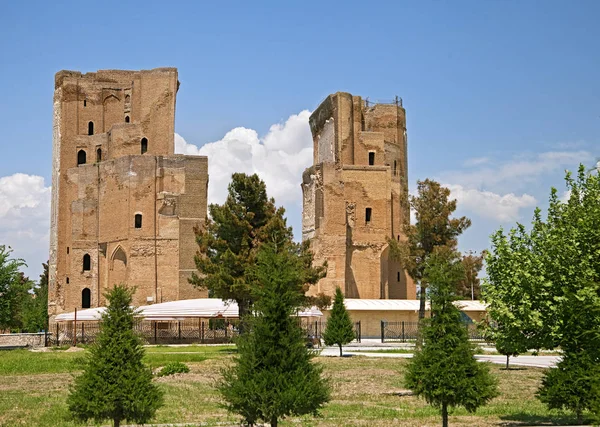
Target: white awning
x=82, y=315
x=178, y=310
x=403, y=305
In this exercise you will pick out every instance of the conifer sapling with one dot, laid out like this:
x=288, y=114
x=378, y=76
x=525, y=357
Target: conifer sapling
x=444, y=371
x=339, y=329
x=273, y=375
x=115, y=383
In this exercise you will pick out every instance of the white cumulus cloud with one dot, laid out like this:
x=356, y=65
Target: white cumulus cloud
x=279, y=158
x=25, y=218
x=517, y=172
x=499, y=207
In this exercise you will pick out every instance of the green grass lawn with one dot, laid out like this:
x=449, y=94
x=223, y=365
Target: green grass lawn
x=34, y=386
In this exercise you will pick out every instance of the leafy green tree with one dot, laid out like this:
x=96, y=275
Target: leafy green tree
x=273, y=376
x=514, y=271
x=444, y=371
x=555, y=273
x=470, y=286
x=339, y=329
x=573, y=385
x=20, y=296
x=35, y=315
x=230, y=241
x=12, y=284
x=115, y=383
x=434, y=228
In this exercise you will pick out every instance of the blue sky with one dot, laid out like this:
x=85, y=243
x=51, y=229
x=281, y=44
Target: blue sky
x=501, y=96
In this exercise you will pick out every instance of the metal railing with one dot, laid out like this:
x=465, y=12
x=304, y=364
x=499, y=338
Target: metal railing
x=396, y=101
x=408, y=331
x=190, y=331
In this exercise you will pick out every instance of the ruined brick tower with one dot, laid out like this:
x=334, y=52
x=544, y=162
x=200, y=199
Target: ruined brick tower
x=123, y=205
x=355, y=196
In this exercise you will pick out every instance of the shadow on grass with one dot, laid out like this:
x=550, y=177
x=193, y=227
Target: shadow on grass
x=514, y=368
x=228, y=350
x=524, y=419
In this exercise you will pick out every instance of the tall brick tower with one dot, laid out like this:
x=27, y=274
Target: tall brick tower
x=355, y=196
x=123, y=205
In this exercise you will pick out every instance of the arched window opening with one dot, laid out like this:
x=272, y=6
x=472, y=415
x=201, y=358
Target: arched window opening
x=138, y=221
x=126, y=119
x=99, y=155
x=398, y=237
x=85, y=102
x=398, y=279
x=144, y=145
x=87, y=262
x=67, y=250
x=81, y=157
x=90, y=128
x=67, y=280
x=119, y=255
x=368, y=215
x=371, y=158
x=394, y=167
x=86, y=298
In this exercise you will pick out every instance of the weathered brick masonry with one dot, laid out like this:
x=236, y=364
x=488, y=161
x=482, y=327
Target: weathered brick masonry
x=123, y=205
x=355, y=196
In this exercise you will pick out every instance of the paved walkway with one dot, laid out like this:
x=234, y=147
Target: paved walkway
x=361, y=349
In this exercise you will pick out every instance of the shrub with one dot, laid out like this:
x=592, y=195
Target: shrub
x=173, y=368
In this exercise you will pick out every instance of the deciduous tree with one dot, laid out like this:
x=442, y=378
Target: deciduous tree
x=470, y=286
x=547, y=281
x=514, y=272
x=11, y=288
x=434, y=228
x=35, y=315
x=115, y=383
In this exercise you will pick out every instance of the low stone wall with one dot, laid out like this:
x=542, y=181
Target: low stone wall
x=21, y=340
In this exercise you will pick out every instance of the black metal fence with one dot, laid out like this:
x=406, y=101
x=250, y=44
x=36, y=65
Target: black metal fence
x=189, y=331
x=399, y=331
x=205, y=331
x=407, y=331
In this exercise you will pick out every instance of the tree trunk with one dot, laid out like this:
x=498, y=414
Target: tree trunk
x=340, y=350
x=243, y=310
x=579, y=416
x=422, y=301
x=116, y=422
x=274, y=422
x=444, y=415
x=507, y=356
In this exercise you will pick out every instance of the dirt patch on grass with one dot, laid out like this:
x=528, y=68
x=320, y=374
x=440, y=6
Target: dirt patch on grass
x=35, y=383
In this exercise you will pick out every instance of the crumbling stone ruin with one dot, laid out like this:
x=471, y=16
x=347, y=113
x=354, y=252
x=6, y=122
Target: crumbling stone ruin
x=123, y=205
x=355, y=196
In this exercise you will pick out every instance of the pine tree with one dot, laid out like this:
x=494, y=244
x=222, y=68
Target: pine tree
x=115, y=383
x=339, y=329
x=444, y=371
x=231, y=238
x=273, y=376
